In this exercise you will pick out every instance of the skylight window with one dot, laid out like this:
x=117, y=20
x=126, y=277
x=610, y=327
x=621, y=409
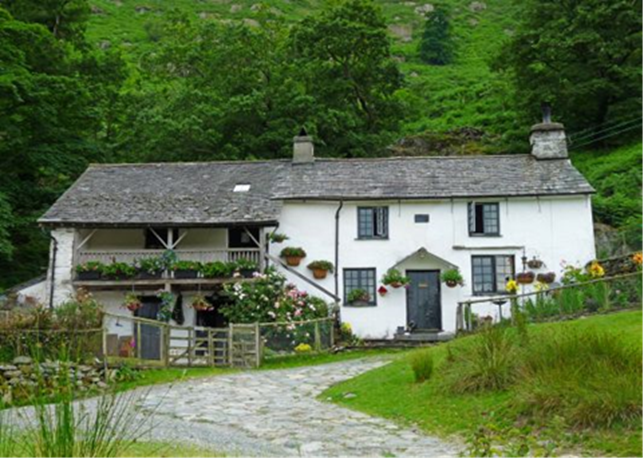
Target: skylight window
x=241, y=188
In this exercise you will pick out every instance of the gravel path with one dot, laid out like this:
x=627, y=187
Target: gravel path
x=275, y=413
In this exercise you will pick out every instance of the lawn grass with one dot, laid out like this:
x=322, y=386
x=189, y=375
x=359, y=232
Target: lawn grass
x=390, y=392
x=161, y=449
x=302, y=360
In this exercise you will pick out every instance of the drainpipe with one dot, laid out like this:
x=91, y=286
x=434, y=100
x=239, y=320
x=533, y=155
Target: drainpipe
x=53, y=271
x=336, y=271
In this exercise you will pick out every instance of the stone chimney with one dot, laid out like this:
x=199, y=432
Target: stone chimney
x=303, y=148
x=548, y=139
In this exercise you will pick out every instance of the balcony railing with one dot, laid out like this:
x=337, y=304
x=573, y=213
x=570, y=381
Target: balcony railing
x=203, y=256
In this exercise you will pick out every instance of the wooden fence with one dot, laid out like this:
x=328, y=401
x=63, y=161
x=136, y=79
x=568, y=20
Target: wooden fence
x=146, y=342
x=608, y=293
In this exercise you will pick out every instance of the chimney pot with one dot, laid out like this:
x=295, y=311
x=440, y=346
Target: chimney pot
x=303, y=150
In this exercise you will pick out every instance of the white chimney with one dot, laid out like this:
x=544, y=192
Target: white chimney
x=303, y=151
x=548, y=139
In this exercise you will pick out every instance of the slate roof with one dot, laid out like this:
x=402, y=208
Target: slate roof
x=176, y=194
x=170, y=194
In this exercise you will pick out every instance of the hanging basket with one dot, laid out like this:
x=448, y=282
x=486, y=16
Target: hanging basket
x=525, y=278
x=546, y=278
x=535, y=263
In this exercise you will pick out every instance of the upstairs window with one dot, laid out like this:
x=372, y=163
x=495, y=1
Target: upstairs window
x=373, y=222
x=484, y=218
x=490, y=273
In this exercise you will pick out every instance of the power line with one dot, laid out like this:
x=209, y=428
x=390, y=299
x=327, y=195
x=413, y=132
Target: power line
x=609, y=136
x=577, y=136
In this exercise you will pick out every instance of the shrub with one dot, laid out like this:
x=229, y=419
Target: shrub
x=303, y=348
x=487, y=364
x=591, y=378
x=422, y=364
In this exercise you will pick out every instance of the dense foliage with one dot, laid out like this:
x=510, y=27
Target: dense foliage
x=122, y=81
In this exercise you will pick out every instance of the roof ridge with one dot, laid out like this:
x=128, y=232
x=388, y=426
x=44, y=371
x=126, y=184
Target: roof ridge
x=189, y=163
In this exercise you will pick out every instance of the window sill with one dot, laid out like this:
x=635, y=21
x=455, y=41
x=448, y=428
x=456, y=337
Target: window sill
x=491, y=294
x=372, y=239
x=485, y=235
x=359, y=305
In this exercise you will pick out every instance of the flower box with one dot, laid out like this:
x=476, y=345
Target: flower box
x=88, y=275
x=148, y=275
x=186, y=274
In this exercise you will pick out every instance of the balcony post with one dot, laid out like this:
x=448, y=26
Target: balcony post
x=262, y=249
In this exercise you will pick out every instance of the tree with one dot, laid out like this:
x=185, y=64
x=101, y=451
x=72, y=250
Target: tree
x=65, y=19
x=436, y=47
x=344, y=56
x=582, y=56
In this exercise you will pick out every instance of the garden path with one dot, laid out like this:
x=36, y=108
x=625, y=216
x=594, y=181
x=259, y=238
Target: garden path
x=276, y=413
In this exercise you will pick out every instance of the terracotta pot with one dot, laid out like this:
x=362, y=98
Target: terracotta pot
x=319, y=273
x=293, y=260
x=396, y=284
x=451, y=283
x=525, y=278
x=546, y=278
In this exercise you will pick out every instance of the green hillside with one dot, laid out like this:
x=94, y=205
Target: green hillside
x=462, y=94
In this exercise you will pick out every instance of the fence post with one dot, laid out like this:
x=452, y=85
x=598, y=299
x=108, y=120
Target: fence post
x=318, y=342
x=190, y=349
x=230, y=344
x=211, y=349
x=166, y=345
x=331, y=333
x=258, y=351
x=138, y=340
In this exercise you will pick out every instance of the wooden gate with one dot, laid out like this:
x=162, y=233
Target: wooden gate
x=238, y=345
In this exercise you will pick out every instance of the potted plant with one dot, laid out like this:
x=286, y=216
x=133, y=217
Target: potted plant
x=546, y=278
x=218, y=269
x=186, y=269
x=452, y=277
x=246, y=268
x=149, y=268
x=277, y=238
x=358, y=297
x=320, y=268
x=395, y=278
x=293, y=255
x=118, y=270
x=535, y=263
x=132, y=302
x=526, y=277
x=91, y=270
x=200, y=303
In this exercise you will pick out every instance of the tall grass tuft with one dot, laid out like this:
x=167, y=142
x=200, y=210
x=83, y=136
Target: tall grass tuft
x=422, y=364
x=590, y=378
x=487, y=364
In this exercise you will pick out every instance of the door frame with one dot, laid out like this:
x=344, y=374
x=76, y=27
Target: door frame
x=440, y=297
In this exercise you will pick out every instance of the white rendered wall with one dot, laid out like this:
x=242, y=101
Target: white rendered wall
x=553, y=229
x=62, y=273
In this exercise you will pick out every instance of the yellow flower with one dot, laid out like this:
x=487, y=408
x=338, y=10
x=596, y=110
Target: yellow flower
x=512, y=286
x=637, y=258
x=541, y=286
x=596, y=270
x=303, y=348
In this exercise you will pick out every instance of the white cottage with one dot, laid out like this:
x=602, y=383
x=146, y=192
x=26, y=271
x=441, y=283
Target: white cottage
x=421, y=215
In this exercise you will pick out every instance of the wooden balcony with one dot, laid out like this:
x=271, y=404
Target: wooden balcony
x=202, y=256
x=130, y=256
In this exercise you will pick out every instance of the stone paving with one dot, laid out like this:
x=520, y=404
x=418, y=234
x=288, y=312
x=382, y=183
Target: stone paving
x=275, y=413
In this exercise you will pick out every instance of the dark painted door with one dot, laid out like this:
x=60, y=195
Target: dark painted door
x=424, y=300
x=150, y=345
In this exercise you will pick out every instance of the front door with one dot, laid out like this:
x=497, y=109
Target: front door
x=424, y=300
x=150, y=345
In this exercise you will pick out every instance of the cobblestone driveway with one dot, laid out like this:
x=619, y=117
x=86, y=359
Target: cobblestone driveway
x=275, y=413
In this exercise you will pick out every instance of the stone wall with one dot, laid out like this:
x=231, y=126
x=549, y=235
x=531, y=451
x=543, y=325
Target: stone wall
x=19, y=379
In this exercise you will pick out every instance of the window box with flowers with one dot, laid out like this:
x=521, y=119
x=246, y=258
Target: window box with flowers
x=245, y=268
x=149, y=268
x=358, y=297
x=293, y=255
x=118, y=270
x=92, y=270
x=186, y=269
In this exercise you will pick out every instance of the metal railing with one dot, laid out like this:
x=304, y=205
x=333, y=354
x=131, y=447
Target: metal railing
x=606, y=294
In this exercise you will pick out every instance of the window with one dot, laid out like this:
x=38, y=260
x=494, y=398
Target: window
x=238, y=238
x=360, y=278
x=241, y=188
x=373, y=222
x=483, y=218
x=153, y=242
x=490, y=273
x=421, y=218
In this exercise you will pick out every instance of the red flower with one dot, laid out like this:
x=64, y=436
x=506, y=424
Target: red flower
x=382, y=290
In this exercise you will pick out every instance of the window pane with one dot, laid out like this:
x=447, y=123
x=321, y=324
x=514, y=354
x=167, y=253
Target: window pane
x=364, y=279
x=482, y=274
x=504, y=271
x=365, y=222
x=491, y=218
